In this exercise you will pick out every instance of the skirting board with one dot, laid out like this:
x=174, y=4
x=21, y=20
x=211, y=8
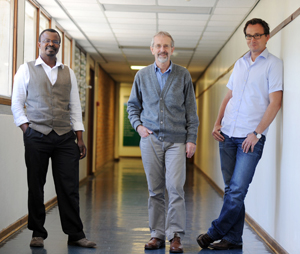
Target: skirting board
x=5, y=233
x=271, y=242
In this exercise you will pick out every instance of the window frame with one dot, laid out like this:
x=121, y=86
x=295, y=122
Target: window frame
x=62, y=44
x=4, y=100
x=71, y=49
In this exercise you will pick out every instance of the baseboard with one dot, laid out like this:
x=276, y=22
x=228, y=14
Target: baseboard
x=271, y=242
x=5, y=233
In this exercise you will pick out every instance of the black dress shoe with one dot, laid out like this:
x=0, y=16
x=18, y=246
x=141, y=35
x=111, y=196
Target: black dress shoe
x=85, y=243
x=37, y=242
x=225, y=245
x=204, y=240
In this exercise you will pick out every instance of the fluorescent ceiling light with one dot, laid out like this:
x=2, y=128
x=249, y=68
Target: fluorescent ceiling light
x=136, y=67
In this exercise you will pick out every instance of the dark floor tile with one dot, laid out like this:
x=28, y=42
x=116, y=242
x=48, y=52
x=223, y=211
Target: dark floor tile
x=113, y=208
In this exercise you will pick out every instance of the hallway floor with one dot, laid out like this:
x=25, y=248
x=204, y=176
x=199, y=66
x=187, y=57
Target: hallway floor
x=114, y=213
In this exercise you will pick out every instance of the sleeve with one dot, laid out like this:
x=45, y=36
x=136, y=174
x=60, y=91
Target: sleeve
x=192, y=121
x=75, y=105
x=230, y=81
x=134, y=104
x=19, y=95
x=276, y=76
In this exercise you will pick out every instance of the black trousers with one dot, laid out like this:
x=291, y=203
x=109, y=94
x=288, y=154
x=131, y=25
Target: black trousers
x=64, y=154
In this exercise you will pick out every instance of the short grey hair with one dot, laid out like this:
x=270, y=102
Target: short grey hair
x=162, y=33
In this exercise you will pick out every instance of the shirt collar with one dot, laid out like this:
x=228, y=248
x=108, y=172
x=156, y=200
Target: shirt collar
x=40, y=61
x=263, y=54
x=157, y=69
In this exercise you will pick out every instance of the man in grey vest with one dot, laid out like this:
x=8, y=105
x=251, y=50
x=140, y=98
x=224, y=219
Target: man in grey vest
x=50, y=127
x=162, y=109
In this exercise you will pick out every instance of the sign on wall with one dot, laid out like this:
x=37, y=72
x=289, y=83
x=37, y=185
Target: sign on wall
x=130, y=136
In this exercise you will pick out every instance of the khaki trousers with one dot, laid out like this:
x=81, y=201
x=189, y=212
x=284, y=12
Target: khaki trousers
x=165, y=168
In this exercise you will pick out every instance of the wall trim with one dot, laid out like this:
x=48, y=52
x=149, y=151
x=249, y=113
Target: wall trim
x=5, y=233
x=272, y=33
x=270, y=241
x=22, y=222
x=5, y=101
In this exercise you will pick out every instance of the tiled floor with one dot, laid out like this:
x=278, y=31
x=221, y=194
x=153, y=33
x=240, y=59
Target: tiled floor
x=114, y=213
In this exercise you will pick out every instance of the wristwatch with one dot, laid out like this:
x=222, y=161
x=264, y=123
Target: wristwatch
x=257, y=134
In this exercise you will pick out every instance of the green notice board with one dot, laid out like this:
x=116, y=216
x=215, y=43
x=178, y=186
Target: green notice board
x=130, y=136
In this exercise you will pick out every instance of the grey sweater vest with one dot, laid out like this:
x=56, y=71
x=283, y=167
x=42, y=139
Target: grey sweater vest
x=48, y=105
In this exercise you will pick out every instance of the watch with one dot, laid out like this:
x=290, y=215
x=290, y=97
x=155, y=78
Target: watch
x=257, y=134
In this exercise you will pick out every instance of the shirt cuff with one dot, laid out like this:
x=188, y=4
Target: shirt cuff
x=78, y=126
x=21, y=120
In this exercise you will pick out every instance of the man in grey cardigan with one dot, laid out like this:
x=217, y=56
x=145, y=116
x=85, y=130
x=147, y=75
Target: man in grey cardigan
x=162, y=109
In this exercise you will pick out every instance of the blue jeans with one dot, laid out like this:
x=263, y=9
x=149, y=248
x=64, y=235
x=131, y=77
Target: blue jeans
x=238, y=170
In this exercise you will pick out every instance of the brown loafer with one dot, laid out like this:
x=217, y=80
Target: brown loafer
x=85, y=243
x=155, y=243
x=225, y=245
x=175, y=245
x=204, y=240
x=37, y=242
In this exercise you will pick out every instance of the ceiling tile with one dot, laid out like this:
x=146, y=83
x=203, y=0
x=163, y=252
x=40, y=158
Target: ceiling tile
x=221, y=23
x=218, y=17
x=180, y=22
x=130, y=2
x=133, y=15
x=181, y=29
x=198, y=3
x=81, y=6
x=132, y=21
x=231, y=11
x=132, y=26
x=236, y=3
x=180, y=16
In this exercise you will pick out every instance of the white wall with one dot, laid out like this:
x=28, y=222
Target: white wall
x=273, y=199
x=13, y=181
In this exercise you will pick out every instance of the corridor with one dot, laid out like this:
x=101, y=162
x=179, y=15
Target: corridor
x=114, y=213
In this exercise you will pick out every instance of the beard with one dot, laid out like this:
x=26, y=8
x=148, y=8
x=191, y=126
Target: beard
x=162, y=59
x=52, y=53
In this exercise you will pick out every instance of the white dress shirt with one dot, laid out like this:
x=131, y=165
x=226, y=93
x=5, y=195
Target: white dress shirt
x=19, y=96
x=251, y=85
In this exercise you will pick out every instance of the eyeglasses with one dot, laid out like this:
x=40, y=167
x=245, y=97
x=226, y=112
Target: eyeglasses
x=49, y=41
x=255, y=36
x=165, y=46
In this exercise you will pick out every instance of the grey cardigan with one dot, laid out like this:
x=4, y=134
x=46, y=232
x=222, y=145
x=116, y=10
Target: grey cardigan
x=171, y=113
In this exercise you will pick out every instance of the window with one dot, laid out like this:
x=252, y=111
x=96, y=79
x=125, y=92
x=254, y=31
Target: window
x=59, y=54
x=67, y=51
x=30, y=32
x=80, y=73
x=6, y=47
x=44, y=22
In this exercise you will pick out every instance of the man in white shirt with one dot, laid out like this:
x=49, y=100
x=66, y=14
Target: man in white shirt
x=50, y=126
x=249, y=107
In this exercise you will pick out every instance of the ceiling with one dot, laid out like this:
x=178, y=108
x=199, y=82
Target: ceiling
x=117, y=33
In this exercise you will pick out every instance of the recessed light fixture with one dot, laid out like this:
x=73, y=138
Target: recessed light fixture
x=136, y=67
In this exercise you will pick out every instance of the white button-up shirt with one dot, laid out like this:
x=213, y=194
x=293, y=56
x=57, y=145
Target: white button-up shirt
x=19, y=96
x=251, y=86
